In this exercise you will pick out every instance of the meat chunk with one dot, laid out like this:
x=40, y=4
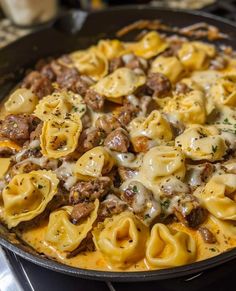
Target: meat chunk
x=38, y=84
x=6, y=152
x=81, y=210
x=127, y=113
x=70, y=79
x=126, y=173
x=48, y=72
x=141, y=144
x=207, y=235
x=67, y=79
x=94, y=100
x=90, y=190
x=158, y=84
x=90, y=138
x=18, y=127
x=110, y=206
x=187, y=209
x=37, y=132
x=107, y=123
x=118, y=140
x=115, y=63
x=141, y=201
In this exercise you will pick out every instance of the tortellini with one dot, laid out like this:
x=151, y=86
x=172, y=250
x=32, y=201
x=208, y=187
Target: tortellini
x=27, y=195
x=167, y=247
x=202, y=143
x=161, y=162
x=122, y=82
x=59, y=106
x=121, y=239
x=63, y=234
x=219, y=196
x=91, y=62
x=5, y=163
x=195, y=55
x=188, y=108
x=149, y=46
x=169, y=66
x=155, y=126
x=60, y=138
x=94, y=163
x=111, y=48
x=21, y=101
x=223, y=91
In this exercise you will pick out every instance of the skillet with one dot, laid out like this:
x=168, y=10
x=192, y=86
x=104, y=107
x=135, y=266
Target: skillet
x=77, y=30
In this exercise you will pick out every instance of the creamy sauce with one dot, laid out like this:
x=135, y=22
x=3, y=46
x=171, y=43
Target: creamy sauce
x=95, y=261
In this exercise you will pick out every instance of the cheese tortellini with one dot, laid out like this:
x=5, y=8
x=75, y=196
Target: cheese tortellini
x=161, y=162
x=195, y=55
x=121, y=239
x=167, y=247
x=59, y=106
x=60, y=138
x=219, y=196
x=21, y=101
x=149, y=46
x=155, y=127
x=91, y=62
x=122, y=82
x=111, y=48
x=223, y=91
x=63, y=234
x=169, y=66
x=188, y=108
x=94, y=163
x=202, y=143
x=27, y=195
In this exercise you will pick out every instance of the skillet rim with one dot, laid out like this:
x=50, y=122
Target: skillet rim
x=138, y=276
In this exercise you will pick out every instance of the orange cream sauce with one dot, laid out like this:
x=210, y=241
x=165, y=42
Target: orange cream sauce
x=95, y=261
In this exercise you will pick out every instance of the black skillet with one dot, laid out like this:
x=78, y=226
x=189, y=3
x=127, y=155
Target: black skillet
x=77, y=30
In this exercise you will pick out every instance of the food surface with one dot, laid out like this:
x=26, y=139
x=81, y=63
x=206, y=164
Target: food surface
x=122, y=156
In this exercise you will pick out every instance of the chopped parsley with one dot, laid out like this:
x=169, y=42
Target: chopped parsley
x=212, y=249
x=214, y=149
x=165, y=204
x=135, y=189
x=40, y=186
x=226, y=121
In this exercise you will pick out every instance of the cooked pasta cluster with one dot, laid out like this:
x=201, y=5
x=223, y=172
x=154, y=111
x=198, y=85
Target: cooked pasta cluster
x=124, y=152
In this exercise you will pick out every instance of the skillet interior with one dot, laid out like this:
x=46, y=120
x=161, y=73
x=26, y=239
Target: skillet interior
x=76, y=30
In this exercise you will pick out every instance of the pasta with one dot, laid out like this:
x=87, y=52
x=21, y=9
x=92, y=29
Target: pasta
x=63, y=234
x=218, y=196
x=163, y=161
x=121, y=240
x=90, y=62
x=224, y=91
x=149, y=46
x=122, y=156
x=60, y=105
x=122, y=82
x=94, y=163
x=155, y=126
x=21, y=101
x=195, y=55
x=169, y=248
x=202, y=143
x=27, y=195
x=189, y=108
x=60, y=138
x=169, y=66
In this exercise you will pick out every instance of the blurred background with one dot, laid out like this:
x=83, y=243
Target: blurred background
x=20, y=17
